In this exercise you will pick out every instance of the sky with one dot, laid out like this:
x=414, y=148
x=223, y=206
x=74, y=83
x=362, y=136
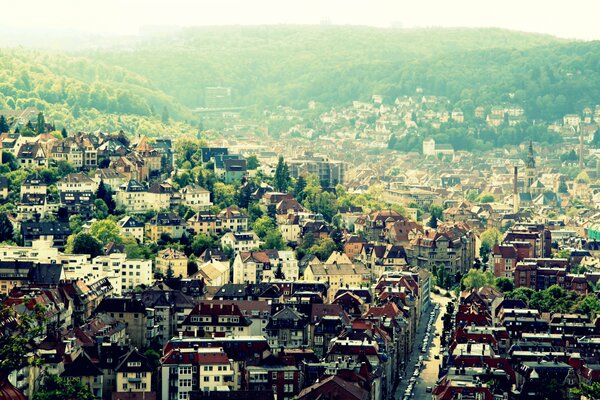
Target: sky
x=568, y=19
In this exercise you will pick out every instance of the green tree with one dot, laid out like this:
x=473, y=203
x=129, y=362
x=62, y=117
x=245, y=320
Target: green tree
x=263, y=225
x=106, y=230
x=282, y=178
x=323, y=249
x=54, y=387
x=84, y=243
x=64, y=133
x=100, y=209
x=6, y=228
x=476, y=279
x=563, y=253
x=252, y=162
x=3, y=124
x=202, y=242
x=103, y=192
x=505, y=285
x=18, y=339
x=433, y=221
x=591, y=391
x=41, y=123
x=489, y=238
x=486, y=198
x=274, y=240
x=299, y=188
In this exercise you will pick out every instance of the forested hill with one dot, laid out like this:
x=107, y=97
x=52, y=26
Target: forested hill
x=81, y=93
x=290, y=65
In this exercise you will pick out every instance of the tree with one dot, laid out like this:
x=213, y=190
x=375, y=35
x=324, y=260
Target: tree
x=84, y=243
x=3, y=124
x=104, y=193
x=165, y=115
x=274, y=240
x=41, y=123
x=6, y=228
x=489, y=238
x=505, y=285
x=563, y=253
x=202, y=242
x=282, y=178
x=252, y=162
x=18, y=339
x=106, y=230
x=323, y=248
x=591, y=391
x=486, y=198
x=54, y=387
x=263, y=225
x=64, y=133
x=562, y=187
x=433, y=221
x=100, y=209
x=299, y=187
x=476, y=279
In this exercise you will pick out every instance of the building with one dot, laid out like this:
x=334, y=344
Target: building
x=233, y=220
x=129, y=226
x=76, y=182
x=338, y=275
x=330, y=172
x=218, y=319
x=171, y=260
x=243, y=241
x=167, y=223
x=185, y=369
x=56, y=232
x=196, y=197
x=138, y=319
x=132, y=197
x=264, y=265
x=134, y=375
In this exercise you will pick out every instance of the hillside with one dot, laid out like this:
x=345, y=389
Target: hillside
x=80, y=93
x=334, y=65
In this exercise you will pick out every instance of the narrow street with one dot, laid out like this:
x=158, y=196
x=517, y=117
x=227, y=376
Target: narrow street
x=429, y=371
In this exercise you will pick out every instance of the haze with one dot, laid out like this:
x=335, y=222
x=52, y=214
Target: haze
x=573, y=19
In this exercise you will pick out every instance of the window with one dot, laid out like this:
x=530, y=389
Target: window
x=289, y=376
x=273, y=375
x=206, y=379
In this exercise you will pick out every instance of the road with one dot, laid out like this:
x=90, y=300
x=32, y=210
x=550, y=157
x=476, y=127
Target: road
x=429, y=371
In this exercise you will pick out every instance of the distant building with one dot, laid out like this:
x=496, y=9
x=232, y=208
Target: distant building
x=217, y=97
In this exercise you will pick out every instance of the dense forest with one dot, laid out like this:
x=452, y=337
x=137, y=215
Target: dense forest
x=334, y=65
x=80, y=93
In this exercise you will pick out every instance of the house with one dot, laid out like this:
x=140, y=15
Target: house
x=205, y=369
x=138, y=319
x=160, y=196
x=233, y=220
x=214, y=272
x=57, y=232
x=283, y=380
x=204, y=222
x=264, y=265
x=290, y=228
x=338, y=275
x=196, y=197
x=76, y=182
x=129, y=226
x=34, y=184
x=83, y=369
x=32, y=155
x=78, y=203
x=217, y=319
x=171, y=260
x=167, y=223
x=132, y=197
x=243, y=241
x=32, y=206
x=287, y=328
x=112, y=178
x=334, y=387
x=134, y=375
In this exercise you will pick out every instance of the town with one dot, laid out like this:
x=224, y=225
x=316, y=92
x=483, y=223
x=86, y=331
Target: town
x=393, y=248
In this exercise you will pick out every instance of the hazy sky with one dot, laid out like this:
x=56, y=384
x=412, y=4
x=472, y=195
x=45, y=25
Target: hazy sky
x=572, y=19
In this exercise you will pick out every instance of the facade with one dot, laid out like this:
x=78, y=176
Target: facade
x=264, y=265
x=171, y=259
x=243, y=241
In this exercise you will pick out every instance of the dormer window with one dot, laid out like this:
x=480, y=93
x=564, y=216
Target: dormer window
x=134, y=364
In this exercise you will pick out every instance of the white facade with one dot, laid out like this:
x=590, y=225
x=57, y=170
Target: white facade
x=123, y=274
x=244, y=241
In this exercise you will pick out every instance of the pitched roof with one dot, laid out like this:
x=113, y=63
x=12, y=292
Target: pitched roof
x=82, y=366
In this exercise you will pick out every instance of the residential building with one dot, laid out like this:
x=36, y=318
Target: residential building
x=243, y=241
x=171, y=260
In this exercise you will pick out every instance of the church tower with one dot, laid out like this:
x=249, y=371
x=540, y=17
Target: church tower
x=529, y=168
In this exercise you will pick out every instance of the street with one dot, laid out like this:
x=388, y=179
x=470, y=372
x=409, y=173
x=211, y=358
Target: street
x=430, y=368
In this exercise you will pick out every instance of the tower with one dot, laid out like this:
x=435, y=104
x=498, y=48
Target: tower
x=529, y=167
x=516, y=199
